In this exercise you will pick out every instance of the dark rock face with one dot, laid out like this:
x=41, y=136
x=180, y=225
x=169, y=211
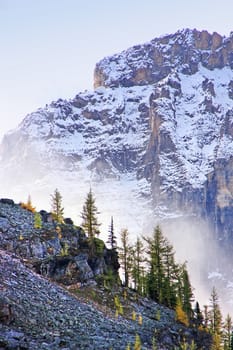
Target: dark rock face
x=6, y=316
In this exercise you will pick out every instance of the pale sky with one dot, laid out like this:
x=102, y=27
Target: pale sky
x=49, y=48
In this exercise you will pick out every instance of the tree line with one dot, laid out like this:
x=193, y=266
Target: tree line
x=149, y=267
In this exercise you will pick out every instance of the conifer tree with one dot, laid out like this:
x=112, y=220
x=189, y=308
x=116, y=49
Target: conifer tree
x=227, y=332
x=198, y=317
x=89, y=216
x=137, y=267
x=125, y=255
x=137, y=344
x=56, y=206
x=112, y=241
x=156, y=248
x=28, y=205
x=181, y=315
x=215, y=318
x=171, y=273
x=187, y=293
x=161, y=275
x=231, y=346
x=37, y=221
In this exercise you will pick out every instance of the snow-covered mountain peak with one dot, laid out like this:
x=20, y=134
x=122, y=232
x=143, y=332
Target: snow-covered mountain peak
x=158, y=123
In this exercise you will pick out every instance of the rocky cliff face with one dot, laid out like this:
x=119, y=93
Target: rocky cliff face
x=158, y=127
x=57, y=251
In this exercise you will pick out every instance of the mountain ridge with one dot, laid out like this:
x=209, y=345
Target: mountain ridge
x=160, y=134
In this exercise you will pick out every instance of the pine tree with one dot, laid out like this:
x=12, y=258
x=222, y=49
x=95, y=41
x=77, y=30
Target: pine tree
x=89, y=216
x=28, y=205
x=198, y=317
x=125, y=255
x=57, y=209
x=137, y=267
x=112, y=241
x=181, y=315
x=215, y=318
x=231, y=345
x=162, y=269
x=171, y=273
x=37, y=221
x=156, y=247
x=137, y=344
x=227, y=332
x=187, y=293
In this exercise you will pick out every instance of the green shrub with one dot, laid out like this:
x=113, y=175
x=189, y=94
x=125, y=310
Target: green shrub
x=99, y=246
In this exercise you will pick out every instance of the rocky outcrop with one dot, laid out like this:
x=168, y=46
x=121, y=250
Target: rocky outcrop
x=58, y=251
x=151, y=62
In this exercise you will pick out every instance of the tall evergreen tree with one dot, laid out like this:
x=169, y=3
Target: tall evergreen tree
x=187, y=292
x=89, y=216
x=137, y=265
x=215, y=318
x=231, y=346
x=162, y=269
x=198, y=317
x=156, y=248
x=112, y=241
x=171, y=272
x=125, y=251
x=227, y=332
x=56, y=206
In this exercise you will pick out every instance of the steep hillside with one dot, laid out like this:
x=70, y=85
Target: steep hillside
x=61, y=306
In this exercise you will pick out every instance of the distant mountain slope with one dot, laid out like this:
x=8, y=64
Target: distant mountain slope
x=154, y=136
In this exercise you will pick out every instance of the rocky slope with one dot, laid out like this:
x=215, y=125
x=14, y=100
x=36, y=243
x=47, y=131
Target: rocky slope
x=58, y=251
x=38, y=313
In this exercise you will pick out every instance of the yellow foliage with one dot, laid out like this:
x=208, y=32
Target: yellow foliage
x=119, y=307
x=137, y=344
x=134, y=315
x=21, y=237
x=28, y=206
x=128, y=347
x=58, y=230
x=216, y=342
x=65, y=250
x=140, y=320
x=181, y=316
